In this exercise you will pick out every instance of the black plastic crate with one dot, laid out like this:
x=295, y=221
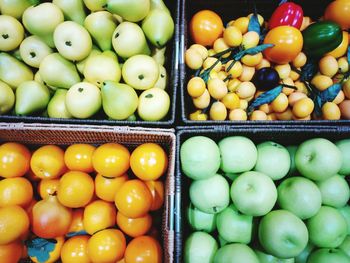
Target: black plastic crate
x=229, y=10
x=281, y=134
x=171, y=64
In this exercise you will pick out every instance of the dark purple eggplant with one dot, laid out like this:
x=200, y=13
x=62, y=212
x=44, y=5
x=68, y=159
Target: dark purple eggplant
x=266, y=79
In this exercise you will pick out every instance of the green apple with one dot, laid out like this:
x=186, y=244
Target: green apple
x=210, y=195
x=273, y=160
x=266, y=258
x=200, y=157
x=129, y=40
x=200, y=221
x=102, y=67
x=232, y=176
x=345, y=211
x=55, y=63
x=345, y=246
x=15, y=8
x=328, y=228
x=222, y=241
x=327, y=255
x=95, y=5
x=7, y=98
x=318, y=159
x=140, y=8
x=57, y=105
x=254, y=193
x=300, y=196
x=31, y=97
x=344, y=147
x=235, y=253
x=303, y=256
x=83, y=100
x=33, y=50
x=81, y=64
x=72, y=41
x=238, y=154
x=283, y=234
x=13, y=72
x=154, y=104
x=162, y=81
x=11, y=33
x=119, y=100
x=140, y=72
x=335, y=191
x=72, y=9
x=292, y=150
x=41, y=20
x=200, y=247
x=101, y=26
x=233, y=226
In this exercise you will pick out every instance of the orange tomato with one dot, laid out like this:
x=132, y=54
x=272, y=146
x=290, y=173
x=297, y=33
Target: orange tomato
x=99, y=215
x=133, y=199
x=107, y=246
x=342, y=48
x=134, y=227
x=75, y=189
x=144, y=249
x=54, y=255
x=111, y=159
x=48, y=162
x=15, y=191
x=78, y=157
x=11, y=253
x=148, y=161
x=106, y=188
x=157, y=191
x=31, y=176
x=339, y=12
x=48, y=187
x=77, y=221
x=287, y=41
x=75, y=250
x=14, y=222
x=205, y=27
x=14, y=160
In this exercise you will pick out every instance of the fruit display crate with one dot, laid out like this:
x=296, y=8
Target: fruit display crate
x=283, y=135
x=229, y=10
x=100, y=118
x=35, y=135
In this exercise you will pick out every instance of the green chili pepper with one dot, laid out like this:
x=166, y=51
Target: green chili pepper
x=321, y=38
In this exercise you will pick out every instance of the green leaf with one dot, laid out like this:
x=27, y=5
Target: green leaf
x=283, y=1
x=252, y=51
x=266, y=97
x=309, y=70
x=254, y=23
x=348, y=55
x=330, y=93
x=40, y=248
x=79, y=233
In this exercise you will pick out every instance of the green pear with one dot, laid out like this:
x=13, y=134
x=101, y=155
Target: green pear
x=95, y=5
x=101, y=26
x=159, y=55
x=58, y=72
x=11, y=33
x=57, y=105
x=119, y=101
x=129, y=40
x=162, y=79
x=72, y=9
x=102, y=67
x=7, y=98
x=158, y=24
x=13, y=72
x=81, y=64
x=130, y=10
x=33, y=50
x=41, y=20
x=15, y=8
x=31, y=97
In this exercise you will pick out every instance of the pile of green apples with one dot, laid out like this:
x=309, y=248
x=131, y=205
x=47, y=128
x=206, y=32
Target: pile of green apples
x=71, y=58
x=267, y=202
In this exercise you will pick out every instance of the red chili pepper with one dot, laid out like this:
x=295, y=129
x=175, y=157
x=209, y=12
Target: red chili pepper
x=287, y=14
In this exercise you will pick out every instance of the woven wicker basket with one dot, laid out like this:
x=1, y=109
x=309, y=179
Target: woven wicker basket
x=39, y=134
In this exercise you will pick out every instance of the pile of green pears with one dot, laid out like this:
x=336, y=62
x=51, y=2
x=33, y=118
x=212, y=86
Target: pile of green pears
x=80, y=58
